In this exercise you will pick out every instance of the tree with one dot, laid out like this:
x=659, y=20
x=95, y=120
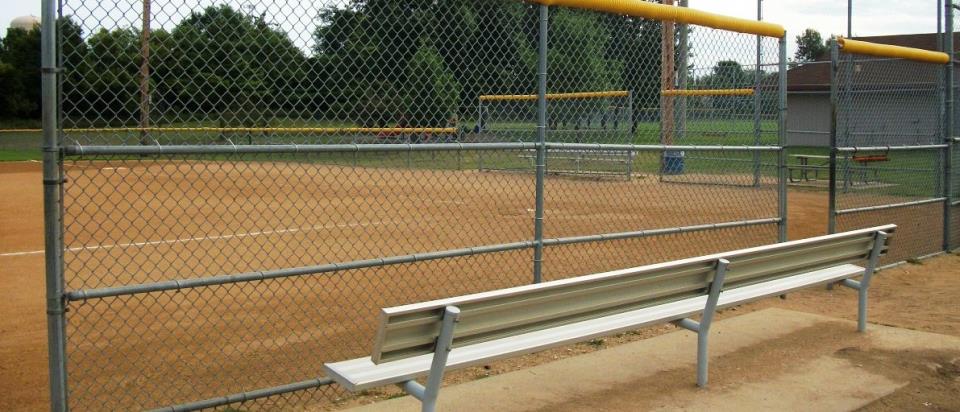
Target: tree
x=432, y=93
x=810, y=46
x=224, y=62
x=112, y=76
x=75, y=87
x=20, y=74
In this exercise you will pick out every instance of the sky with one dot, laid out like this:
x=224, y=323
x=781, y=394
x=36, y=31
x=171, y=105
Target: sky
x=871, y=17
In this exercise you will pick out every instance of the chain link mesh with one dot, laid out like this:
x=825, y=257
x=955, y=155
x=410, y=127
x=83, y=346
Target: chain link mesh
x=885, y=102
x=168, y=241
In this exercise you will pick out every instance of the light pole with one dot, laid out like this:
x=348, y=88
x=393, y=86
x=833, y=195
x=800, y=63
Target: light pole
x=849, y=18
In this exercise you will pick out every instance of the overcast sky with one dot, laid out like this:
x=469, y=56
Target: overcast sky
x=871, y=17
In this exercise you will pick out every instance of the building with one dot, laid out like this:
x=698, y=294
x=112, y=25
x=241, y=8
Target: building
x=894, y=102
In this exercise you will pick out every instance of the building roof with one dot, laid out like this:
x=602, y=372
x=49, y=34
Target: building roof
x=815, y=75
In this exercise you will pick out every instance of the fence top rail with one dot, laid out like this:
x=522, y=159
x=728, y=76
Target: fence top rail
x=80, y=150
x=316, y=130
x=659, y=148
x=555, y=96
x=707, y=92
x=108, y=150
x=683, y=15
x=891, y=51
x=854, y=149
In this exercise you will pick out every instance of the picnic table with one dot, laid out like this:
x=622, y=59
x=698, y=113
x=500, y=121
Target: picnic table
x=863, y=171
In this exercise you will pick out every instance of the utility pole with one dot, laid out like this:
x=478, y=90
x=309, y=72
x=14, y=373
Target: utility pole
x=849, y=18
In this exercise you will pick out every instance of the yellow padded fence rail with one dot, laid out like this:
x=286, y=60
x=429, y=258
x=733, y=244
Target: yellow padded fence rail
x=554, y=96
x=317, y=130
x=707, y=92
x=684, y=15
x=891, y=51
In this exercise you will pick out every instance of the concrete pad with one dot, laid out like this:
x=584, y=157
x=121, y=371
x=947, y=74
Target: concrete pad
x=770, y=359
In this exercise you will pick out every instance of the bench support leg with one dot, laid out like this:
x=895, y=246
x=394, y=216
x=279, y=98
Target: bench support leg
x=703, y=327
x=428, y=394
x=864, y=284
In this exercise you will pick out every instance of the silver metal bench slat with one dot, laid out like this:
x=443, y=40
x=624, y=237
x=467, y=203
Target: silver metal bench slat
x=411, y=330
x=430, y=338
x=362, y=373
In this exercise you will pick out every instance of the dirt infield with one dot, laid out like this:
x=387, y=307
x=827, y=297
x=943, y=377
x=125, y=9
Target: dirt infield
x=191, y=219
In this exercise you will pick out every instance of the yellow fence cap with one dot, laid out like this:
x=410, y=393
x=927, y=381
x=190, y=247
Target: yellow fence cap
x=891, y=51
x=684, y=15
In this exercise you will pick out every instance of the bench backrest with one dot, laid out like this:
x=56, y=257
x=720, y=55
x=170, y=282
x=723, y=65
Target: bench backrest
x=412, y=330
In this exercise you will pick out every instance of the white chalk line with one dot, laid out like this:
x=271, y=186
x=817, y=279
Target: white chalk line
x=215, y=237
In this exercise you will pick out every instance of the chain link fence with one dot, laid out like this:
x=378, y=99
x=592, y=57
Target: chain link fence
x=953, y=111
x=244, y=184
x=887, y=159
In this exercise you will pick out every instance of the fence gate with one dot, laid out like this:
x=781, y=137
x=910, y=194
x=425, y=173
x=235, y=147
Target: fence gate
x=887, y=160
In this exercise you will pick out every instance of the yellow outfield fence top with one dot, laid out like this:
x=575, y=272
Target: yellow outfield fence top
x=891, y=51
x=21, y=130
x=707, y=92
x=324, y=130
x=685, y=15
x=555, y=96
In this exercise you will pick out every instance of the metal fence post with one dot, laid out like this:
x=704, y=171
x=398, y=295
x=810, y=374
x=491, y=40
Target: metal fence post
x=782, y=139
x=834, y=107
x=52, y=190
x=683, y=81
x=948, y=126
x=541, y=145
x=757, y=75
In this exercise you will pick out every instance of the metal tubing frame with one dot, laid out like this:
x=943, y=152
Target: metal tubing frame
x=427, y=394
x=757, y=75
x=702, y=328
x=658, y=148
x=681, y=109
x=864, y=284
x=541, y=166
x=854, y=149
x=173, y=285
x=834, y=106
x=52, y=212
x=78, y=150
x=948, y=120
x=246, y=396
x=889, y=206
x=782, y=141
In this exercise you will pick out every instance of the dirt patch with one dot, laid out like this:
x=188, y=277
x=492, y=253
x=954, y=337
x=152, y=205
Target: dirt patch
x=933, y=376
x=125, y=351
x=751, y=364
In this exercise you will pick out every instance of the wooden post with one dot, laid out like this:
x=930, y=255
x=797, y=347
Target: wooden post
x=668, y=70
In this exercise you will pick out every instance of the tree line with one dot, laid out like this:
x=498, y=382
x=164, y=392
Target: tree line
x=373, y=63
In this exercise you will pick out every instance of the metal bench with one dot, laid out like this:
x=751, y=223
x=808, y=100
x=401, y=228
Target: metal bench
x=578, y=157
x=427, y=339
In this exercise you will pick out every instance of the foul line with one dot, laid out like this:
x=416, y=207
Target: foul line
x=217, y=237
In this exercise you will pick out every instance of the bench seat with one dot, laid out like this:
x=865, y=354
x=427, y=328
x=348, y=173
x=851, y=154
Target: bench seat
x=362, y=373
